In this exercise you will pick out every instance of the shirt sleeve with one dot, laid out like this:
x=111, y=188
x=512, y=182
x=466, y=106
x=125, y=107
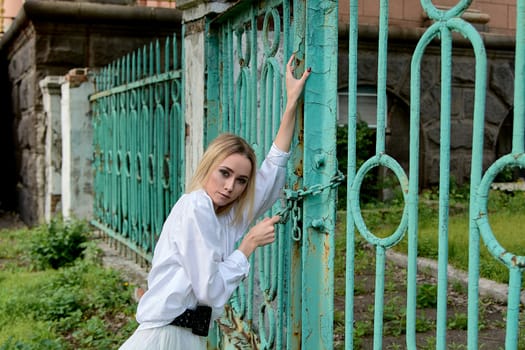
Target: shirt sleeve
x=213, y=276
x=270, y=180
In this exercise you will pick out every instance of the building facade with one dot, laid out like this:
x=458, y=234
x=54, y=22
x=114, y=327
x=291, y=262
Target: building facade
x=496, y=23
x=49, y=38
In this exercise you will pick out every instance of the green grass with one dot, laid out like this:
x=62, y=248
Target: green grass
x=505, y=218
x=19, y=292
x=81, y=305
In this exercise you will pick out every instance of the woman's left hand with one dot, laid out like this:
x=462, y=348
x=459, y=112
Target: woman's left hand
x=294, y=87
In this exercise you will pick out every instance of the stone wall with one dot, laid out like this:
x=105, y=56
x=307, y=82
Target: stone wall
x=50, y=39
x=499, y=98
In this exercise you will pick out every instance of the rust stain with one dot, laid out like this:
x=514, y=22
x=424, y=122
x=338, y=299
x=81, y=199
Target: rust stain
x=236, y=332
x=326, y=252
x=299, y=169
x=300, y=134
x=515, y=262
x=296, y=254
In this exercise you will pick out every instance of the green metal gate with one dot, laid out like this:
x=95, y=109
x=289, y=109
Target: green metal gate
x=288, y=301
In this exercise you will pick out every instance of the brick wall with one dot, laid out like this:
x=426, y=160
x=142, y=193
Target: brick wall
x=501, y=14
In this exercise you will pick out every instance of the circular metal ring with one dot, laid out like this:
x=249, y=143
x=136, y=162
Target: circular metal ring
x=270, y=316
x=243, y=57
x=271, y=49
x=392, y=164
x=444, y=15
x=482, y=220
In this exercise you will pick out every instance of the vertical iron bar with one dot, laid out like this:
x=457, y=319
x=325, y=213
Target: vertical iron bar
x=519, y=81
x=444, y=186
x=513, y=309
x=413, y=185
x=351, y=170
x=379, y=292
x=382, y=76
x=475, y=179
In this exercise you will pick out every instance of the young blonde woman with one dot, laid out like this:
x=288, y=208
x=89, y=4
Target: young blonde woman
x=195, y=266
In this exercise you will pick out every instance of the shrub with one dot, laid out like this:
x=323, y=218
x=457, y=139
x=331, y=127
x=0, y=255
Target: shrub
x=58, y=244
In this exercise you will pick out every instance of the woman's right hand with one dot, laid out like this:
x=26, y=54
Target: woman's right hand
x=260, y=234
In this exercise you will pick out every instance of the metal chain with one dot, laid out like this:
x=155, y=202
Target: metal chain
x=290, y=207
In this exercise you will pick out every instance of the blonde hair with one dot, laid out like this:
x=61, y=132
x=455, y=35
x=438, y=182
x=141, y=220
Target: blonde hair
x=219, y=149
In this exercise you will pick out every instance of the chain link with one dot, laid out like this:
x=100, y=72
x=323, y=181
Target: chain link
x=290, y=208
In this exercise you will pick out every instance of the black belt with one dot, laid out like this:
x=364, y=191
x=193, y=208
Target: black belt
x=198, y=320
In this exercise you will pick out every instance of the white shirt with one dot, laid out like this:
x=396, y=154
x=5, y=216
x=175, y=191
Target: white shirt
x=195, y=260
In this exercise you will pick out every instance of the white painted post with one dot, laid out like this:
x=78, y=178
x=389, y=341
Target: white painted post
x=194, y=65
x=77, y=145
x=51, y=94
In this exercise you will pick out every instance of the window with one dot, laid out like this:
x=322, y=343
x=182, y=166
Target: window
x=366, y=106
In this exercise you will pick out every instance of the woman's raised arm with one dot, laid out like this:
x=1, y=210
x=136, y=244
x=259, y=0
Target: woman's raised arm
x=294, y=89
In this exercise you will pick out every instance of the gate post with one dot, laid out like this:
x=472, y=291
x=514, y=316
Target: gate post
x=51, y=93
x=77, y=145
x=194, y=59
x=320, y=166
x=195, y=103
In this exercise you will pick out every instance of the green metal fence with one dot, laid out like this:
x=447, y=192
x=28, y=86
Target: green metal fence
x=445, y=23
x=288, y=302
x=139, y=140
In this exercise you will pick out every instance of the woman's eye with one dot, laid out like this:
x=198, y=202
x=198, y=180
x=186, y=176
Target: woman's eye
x=224, y=173
x=242, y=181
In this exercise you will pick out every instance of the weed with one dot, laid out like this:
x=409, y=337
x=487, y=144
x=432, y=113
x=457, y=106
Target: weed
x=363, y=328
x=430, y=344
x=57, y=244
x=424, y=324
x=459, y=321
x=426, y=296
x=394, y=347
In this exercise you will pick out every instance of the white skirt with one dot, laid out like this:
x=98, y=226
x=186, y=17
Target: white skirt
x=167, y=337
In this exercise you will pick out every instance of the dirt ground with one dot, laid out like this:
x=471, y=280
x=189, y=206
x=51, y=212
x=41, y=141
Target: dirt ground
x=10, y=220
x=491, y=316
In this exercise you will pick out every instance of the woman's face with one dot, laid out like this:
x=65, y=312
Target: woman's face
x=228, y=180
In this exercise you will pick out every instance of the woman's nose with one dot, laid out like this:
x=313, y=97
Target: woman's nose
x=228, y=185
